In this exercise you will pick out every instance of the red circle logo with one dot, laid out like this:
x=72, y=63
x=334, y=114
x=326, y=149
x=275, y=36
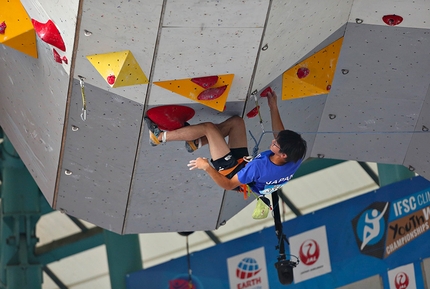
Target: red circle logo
x=401, y=281
x=309, y=252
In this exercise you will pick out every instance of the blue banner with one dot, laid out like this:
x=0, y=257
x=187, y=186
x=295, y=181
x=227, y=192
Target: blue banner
x=379, y=232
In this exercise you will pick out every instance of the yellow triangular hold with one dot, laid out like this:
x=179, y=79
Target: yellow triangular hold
x=118, y=68
x=17, y=32
x=314, y=75
x=191, y=90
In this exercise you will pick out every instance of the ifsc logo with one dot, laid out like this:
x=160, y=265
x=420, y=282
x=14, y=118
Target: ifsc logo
x=370, y=229
x=247, y=268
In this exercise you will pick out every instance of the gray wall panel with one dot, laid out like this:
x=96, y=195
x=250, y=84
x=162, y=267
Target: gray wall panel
x=33, y=99
x=100, y=155
x=376, y=103
x=418, y=153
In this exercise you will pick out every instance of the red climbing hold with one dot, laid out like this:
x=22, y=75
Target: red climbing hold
x=170, y=117
x=49, y=33
x=212, y=93
x=302, y=72
x=264, y=92
x=205, y=82
x=2, y=27
x=110, y=79
x=65, y=60
x=57, y=56
x=392, y=20
x=253, y=112
x=328, y=87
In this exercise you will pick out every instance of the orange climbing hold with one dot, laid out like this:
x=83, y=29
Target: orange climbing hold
x=314, y=75
x=215, y=96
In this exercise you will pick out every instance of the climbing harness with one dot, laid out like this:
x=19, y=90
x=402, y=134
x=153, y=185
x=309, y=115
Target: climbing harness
x=84, y=101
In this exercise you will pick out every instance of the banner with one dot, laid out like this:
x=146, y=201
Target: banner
x=384, y=232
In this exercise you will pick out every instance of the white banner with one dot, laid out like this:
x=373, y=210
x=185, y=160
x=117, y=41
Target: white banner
x=311, y=248
x=248, y=270
x=402, y=277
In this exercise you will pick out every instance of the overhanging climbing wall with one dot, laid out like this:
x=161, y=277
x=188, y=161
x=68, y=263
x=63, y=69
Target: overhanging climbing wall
x=34, y=91
x=75, y=113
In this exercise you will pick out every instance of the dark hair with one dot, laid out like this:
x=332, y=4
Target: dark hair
x=292, y=144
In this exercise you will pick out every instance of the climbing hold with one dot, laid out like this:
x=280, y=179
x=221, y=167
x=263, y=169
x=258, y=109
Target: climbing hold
x=121, y=65
x=65, y=60
x=264, y=92
x=302, y=72
x=253, y=112
x=328, y=87
x=110, y=79
x=205, y=82
x=16, y=30
x=212, y=93
x=295, y=84
x=191, y=90
x=170, y=117
x=57, y=56
x=392, y=20
x=49, y=33
x=2, y=27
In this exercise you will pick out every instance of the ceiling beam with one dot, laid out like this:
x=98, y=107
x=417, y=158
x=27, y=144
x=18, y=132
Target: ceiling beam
x=69, y=245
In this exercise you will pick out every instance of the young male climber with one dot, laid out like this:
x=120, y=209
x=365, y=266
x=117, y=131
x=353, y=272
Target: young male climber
x=264, y=174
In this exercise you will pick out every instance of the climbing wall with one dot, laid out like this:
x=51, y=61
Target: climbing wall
x=352, y=77
x=34, y=90
x=379, y=89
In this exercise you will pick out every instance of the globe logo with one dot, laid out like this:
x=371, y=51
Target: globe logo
x=247, y=268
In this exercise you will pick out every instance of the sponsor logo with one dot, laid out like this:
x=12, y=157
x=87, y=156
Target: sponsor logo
x=384, y=227
x=311, y=247
x=248, y=270
x=370, y=229
x=402, y=277
x=401, y=281
x=309, y=252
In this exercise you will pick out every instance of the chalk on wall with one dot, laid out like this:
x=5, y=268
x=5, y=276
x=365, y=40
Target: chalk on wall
x=16, y=30
x=314, y=75
x=118, y=68
x=211, y=91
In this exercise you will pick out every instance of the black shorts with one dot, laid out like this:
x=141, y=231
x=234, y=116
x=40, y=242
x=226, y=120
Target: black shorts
x=230, y=160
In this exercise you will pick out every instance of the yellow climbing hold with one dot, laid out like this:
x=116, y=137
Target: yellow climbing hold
x=17, y=32
x=118, y=68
